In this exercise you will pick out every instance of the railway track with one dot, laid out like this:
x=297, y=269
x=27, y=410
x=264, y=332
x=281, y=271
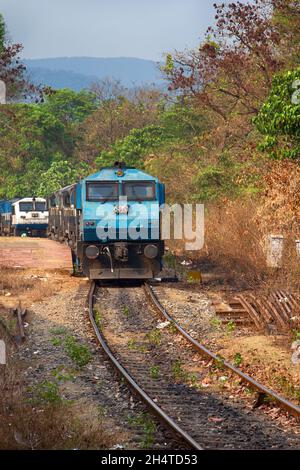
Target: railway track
x=132, y=383
x=150, y=365
x=283, y=402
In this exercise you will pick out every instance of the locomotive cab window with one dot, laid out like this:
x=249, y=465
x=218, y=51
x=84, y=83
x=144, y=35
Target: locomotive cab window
x=102, y=191
x=40, y=206
x=26, y=206
x=66, y=200
x=139, y=190
x=53, y=201
x=72, y=198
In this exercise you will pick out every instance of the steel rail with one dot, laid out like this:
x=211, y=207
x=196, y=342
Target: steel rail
x=283, y=402
x=141, y=393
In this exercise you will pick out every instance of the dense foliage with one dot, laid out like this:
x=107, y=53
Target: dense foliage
x=279, y=117
x=228, y=109
x=33, y=136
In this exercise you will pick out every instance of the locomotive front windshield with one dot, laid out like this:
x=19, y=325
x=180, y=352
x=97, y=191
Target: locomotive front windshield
x=40, y=206
x=26, y=206
x=110, y=191
x=30, y=206
x=136, y=190
x=104, y=191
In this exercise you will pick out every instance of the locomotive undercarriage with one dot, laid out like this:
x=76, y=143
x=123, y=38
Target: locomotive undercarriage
x=120, y=260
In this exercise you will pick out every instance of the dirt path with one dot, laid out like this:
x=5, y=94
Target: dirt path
x=37, y=253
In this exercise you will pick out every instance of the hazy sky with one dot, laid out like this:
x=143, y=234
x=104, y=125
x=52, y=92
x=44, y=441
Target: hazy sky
x=106, y=28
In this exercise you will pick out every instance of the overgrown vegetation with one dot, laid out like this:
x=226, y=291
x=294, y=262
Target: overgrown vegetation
x=79, y=353
x=147, y=425
x=39, y=417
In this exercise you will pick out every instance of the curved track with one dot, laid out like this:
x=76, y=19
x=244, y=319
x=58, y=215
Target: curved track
x=132, y=383
x=283, y=402
x=199, y=418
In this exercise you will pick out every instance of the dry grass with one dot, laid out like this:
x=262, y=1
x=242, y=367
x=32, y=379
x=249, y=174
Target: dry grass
x=53, y=427
x=30, y=419
x=45, y=422
x=28, y=284
x=14, y=280
x=288, y=276
x=233, y=240
x=236, y=240
x=235, y=244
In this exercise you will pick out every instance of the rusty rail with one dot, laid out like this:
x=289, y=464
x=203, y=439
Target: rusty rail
x=283, y=402
x=131, y=382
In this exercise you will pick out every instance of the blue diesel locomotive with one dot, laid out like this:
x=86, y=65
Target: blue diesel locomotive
x=111, y=221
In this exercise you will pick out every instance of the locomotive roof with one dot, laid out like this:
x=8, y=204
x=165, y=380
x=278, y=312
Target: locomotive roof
x=29, y=199
x=111, y=174
x=6, y=205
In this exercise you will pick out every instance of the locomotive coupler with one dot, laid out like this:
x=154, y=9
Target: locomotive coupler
x=121, y=252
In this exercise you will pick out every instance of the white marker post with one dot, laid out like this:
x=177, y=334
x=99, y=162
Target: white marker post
x=2, y=352
x=297, y=243
x=2, y=92
x=274, y=251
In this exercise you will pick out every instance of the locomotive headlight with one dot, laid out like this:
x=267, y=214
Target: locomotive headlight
x=150, y=251
x=92, y=252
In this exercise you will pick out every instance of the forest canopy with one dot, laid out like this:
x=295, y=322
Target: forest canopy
x=228, y=112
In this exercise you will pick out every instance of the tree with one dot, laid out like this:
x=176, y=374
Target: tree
x=286, y=17
x=109, y=90
x=225, y=179
x=229, y=77
x=279, y=117
x=69, y=106
x=136, y=145
x=12, y=71
x=231, y=71
x=35, y=135
x=60, y=174
x=115, y=117
x=2, y=33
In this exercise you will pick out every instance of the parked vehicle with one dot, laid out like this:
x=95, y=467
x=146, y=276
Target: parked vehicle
x=24, y=216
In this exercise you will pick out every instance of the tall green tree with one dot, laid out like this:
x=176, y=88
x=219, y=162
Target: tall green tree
x=279, y=117
x=60, y=174
x=33, y=136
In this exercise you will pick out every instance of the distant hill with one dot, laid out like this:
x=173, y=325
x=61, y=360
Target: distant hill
x=79, y=72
